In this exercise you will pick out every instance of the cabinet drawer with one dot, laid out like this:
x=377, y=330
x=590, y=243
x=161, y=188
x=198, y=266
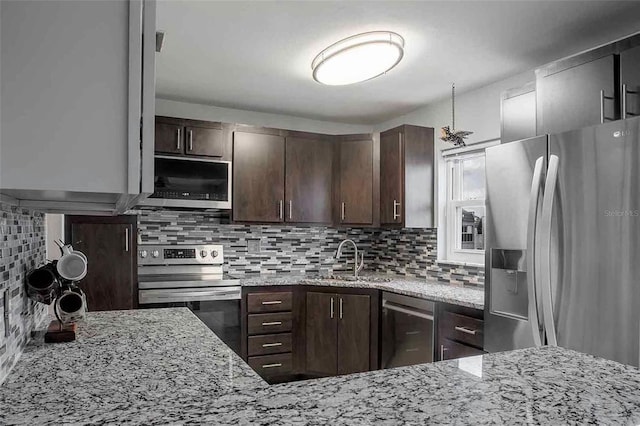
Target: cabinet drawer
x=269, y=302
x=461, y=328
x=269, y=323
x=452, y=350
x=269, y=344
x=272, y=365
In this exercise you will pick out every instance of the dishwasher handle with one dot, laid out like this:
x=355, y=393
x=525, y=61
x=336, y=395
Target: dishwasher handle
x=406, y=310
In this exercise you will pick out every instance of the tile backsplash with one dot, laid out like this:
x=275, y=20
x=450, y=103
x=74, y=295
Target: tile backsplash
x=22, y=247
x=306, y=249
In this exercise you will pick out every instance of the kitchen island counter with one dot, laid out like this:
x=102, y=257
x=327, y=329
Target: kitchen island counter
x=163, y=366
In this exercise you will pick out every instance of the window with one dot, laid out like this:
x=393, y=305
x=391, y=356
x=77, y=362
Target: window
x=465, y=208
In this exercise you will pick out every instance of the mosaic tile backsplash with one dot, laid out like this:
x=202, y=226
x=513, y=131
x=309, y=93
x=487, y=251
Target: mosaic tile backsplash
x=22, y=247
x=250, y=249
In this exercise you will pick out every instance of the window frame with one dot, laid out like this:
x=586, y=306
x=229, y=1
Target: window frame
x=453, y=202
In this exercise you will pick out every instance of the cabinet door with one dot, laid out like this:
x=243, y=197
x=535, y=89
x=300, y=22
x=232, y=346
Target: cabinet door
x=630, y=71
x=111, y=275
x=452, y=350
x=309, y=169
x=322, y=333
x=356, y=182
x=204, y=141
x=391, y=178
x=518, y=117
x=169, y=138
x=354, y=318
x=570, y=99
x=258, y=177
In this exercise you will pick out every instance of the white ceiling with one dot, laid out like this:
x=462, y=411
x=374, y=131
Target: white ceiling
x=257, y=55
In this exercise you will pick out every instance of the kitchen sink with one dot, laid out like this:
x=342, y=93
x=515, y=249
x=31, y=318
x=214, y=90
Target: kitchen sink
x=362, y=278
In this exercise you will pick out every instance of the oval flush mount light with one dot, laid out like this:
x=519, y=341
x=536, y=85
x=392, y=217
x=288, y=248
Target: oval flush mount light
x=358, y=58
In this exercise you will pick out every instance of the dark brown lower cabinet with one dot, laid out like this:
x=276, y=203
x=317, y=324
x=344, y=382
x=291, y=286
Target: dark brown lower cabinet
x=338, y=331
x=460, y=332
x=110, y=246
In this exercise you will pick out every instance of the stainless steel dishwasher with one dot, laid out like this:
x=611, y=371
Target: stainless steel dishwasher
x=407, y=330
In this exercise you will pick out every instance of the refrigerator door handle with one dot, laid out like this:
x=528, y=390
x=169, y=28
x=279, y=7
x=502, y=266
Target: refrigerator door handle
x=545, y=224
x=536, y=187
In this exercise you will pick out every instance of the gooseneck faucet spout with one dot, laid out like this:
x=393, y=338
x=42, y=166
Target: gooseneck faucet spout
x=357, y=267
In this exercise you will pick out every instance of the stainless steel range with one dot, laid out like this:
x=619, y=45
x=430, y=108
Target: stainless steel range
x=191, y=276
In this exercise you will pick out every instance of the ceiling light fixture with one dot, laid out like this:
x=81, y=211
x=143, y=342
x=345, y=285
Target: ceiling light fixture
x=358, y=58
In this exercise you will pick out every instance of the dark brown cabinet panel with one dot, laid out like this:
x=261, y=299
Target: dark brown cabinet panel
x=570, y=98
x=169, y=138
x=356, y=182
x=309, y=170
x=258, y=177
x=630, y=81
x=110, y=247
x=460, y=331
x=453, y=350
x=204, y=141
x=406, y=177
x=353, y=333
x=518, y=113
x=181, y=136
x=391, y=177
x=321, y=333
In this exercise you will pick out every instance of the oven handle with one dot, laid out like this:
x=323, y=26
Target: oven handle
x=399, y=308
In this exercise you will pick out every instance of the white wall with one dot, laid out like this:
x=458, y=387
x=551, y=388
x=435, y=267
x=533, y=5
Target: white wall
x=477, y=111
x=54, y=230
x=212, y=113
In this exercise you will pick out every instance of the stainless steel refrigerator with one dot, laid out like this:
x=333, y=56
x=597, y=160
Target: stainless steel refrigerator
x=563, y=242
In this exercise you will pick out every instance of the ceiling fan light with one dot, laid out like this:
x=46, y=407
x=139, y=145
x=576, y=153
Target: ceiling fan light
x=358, y=58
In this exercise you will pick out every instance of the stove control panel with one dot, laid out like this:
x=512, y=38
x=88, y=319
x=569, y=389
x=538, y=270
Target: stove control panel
x=210, y=254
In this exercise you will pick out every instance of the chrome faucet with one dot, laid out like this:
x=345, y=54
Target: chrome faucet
x=356, y=267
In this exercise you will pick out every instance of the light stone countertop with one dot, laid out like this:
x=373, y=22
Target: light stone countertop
x=423, y=288
x=163, y=366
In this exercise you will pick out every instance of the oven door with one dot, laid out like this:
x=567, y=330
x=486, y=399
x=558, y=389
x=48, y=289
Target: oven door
x=218, y=308
x=191, y=182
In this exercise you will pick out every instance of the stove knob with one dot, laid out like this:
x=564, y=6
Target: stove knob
x=214, y=253
x=143, y=253
x=155, y=253
x=203, y=253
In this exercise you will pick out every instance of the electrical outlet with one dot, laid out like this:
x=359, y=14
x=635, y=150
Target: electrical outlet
x=6, y=298
x=253, y=245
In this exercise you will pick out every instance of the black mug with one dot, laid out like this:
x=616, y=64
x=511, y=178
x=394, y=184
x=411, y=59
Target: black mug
x=43, y=284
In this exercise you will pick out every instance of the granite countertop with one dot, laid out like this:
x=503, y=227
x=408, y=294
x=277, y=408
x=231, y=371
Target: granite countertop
x=159, y=366
x=424, y=288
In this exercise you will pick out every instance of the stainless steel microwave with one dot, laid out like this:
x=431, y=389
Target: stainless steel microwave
x=195, y=183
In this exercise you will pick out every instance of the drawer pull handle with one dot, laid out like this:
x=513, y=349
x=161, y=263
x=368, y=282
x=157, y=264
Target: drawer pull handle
x=466, y=330
x=272, y=302
x=412, y=350
x=272, y=365
x=411, y=333
x=271, y=345
x=272, y=323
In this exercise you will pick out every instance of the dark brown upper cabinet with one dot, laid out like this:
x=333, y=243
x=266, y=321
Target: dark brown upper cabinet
x=355, y=177
x=308, y=180
x=406, y=177
x=630, y=82
x=258, y=177
x=282, y=176
x=191, y=137
x=338, y=333
x=518, y=113
x=110, y=246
